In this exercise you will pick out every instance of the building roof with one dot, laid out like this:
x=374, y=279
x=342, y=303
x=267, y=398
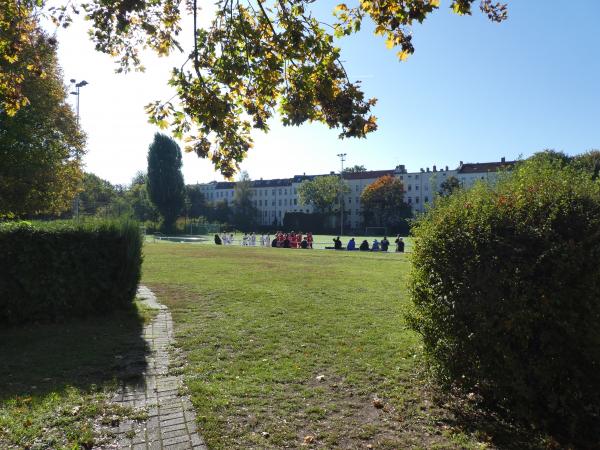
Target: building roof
x=369, y=174
x=485, y=167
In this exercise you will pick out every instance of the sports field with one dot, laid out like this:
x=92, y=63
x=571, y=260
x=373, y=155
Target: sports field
x=289, y=348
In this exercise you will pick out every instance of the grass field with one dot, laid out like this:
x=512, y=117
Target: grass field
x=320, y=240
x=287, y=348
x=56, y=379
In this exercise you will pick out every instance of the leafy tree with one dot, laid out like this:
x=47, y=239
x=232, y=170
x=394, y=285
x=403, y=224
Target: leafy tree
x=245, y=214
x=197, y=202
x=221, y=212
x=165, y=181
x=96, y=195
x=448, y=186
x=383, y=203
x=550, y=155
x=141, y=206
x=323, y=193
x=256, y=57
x=588, y=162
x=41, y=144
x=355, y=169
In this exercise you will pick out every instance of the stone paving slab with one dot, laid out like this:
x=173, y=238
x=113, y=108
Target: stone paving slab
x=171, y=420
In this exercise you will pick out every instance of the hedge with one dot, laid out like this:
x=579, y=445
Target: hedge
x=506, y=291
x=50, y=271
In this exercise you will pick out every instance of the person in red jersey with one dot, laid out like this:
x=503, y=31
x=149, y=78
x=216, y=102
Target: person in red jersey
x=309, y=239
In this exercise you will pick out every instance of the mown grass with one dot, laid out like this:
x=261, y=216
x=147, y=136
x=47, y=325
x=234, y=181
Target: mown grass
x=289, y=348
x=56, y=379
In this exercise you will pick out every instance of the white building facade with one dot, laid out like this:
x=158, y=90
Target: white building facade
x=274, y=198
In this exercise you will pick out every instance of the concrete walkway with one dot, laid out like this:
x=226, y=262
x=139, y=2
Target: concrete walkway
x=171, y=423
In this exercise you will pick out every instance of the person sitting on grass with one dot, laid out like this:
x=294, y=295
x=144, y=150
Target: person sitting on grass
x=218, y=240
x=286, y=242
x=399, y=244
x=337, y=244
x=274, y=243
x=304, y=244
x=351, y=245
x=375, y=247
x=385, y=244
x=364, y=247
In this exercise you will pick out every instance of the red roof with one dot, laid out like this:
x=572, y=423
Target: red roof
x=485, y=167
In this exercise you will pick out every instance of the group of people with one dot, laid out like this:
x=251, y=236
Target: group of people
x=248, y=240
x=292, y=240
x=281, y=240
x=377, y=246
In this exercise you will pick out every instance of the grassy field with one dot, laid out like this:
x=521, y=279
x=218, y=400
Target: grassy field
x=320, y=240
x=56, y=379
x=288, y=348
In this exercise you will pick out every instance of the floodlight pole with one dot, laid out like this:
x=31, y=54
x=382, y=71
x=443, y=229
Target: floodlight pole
x=78, y=86
x=342, y=157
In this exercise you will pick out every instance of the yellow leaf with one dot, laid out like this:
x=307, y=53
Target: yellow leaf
x=403, y=55
x=435, y=3
x=389, y=42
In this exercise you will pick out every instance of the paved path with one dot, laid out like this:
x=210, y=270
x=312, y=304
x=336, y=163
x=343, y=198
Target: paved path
x=171, y=423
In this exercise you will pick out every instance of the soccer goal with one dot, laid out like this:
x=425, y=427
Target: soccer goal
x=376, y=231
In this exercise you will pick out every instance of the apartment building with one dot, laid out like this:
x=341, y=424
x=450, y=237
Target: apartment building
x=274, y=198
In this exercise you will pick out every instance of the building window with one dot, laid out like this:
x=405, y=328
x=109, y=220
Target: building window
x=295, y=191
x=409, y=200
x=279, y=191
x=416, y=187
x=350, y=200
x=426, y=199
x=285, y=201
x=295, y=202
x=273, y=203
x=279, y=202
x=273, y=192
x=357, y=200
x=416, y=199
x=410, y=187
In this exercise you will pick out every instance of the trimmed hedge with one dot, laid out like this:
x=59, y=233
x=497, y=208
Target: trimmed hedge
x=506, y=289
x=51, y=271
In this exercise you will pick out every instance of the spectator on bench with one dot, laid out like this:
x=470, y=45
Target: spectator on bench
x=351, y=244
x=385, y=244
x=364, y=246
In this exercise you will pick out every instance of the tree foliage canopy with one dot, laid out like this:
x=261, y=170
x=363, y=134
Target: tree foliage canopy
x=256, y=58
x=245, y=214
x=323, y=193
x=165, y=181
x=355, y=169
x=383, y=202
x=448, y=186
x=41, y=144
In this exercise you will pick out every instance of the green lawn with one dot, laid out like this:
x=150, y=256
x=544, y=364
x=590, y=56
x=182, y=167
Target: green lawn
x=287, y=348
x=56, y=379
x=320, y=241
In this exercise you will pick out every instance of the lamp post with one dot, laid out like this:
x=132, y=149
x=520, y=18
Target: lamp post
x=78, y=86
x=342, y=157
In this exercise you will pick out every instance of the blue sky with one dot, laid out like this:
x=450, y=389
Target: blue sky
x=473, y=91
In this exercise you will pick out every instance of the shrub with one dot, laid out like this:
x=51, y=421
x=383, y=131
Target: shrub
x=506, y=291
x=56, y=270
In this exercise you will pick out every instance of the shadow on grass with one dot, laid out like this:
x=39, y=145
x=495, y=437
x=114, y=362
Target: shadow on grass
x=84, y=353
x=496, y=427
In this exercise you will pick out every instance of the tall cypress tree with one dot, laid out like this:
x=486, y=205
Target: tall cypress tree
x=165, y=181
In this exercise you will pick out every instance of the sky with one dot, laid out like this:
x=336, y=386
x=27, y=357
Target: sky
x=474, y=91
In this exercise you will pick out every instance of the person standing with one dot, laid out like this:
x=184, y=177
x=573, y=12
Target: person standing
x=309, y=239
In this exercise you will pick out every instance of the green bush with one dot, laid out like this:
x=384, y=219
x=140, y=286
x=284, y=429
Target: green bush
x=56, y=270
x=506, y=291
